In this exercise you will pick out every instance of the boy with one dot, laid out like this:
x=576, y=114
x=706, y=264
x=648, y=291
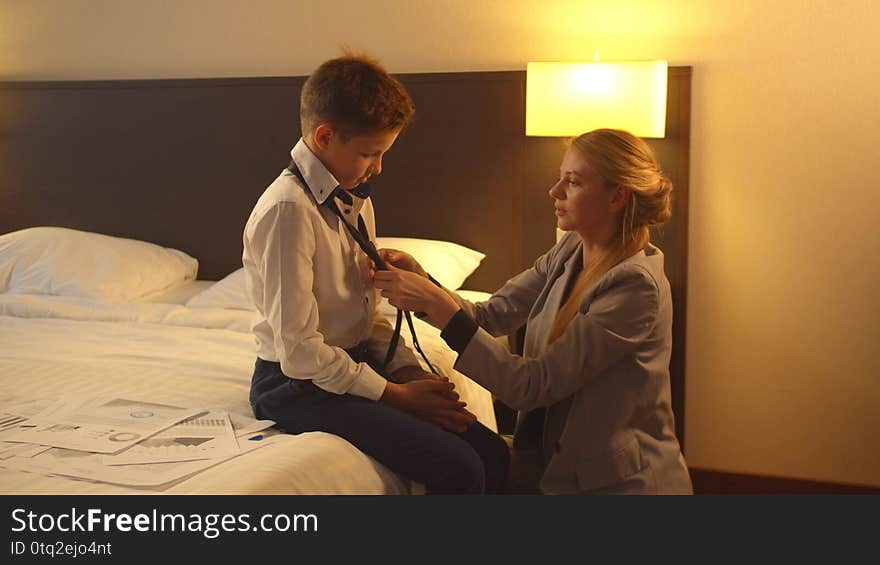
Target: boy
x=318, y=329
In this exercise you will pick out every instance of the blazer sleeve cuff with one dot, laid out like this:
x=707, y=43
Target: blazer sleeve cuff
x=459, y=331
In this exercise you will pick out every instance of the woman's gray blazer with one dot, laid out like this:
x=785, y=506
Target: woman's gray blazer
x=605, y=381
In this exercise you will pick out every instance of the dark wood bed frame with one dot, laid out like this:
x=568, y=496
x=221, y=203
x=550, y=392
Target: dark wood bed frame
x=181, y=163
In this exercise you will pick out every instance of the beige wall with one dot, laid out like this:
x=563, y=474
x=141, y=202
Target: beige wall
x=783, y=378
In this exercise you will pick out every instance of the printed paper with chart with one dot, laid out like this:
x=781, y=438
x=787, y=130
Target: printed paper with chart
x=208, y=436
x=101, y=425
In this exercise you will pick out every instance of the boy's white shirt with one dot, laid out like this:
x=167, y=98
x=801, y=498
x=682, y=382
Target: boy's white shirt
x=308, y=280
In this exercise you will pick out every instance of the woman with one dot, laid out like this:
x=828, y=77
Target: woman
x=599, y=333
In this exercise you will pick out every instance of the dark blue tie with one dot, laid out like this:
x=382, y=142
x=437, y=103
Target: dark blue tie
x=362, y=238
x=362, y=191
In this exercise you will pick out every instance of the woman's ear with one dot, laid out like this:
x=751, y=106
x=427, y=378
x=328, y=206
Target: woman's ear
x=619, y=197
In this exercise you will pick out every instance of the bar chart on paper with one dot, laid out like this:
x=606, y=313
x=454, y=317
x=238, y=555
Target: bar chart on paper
x=208, y=436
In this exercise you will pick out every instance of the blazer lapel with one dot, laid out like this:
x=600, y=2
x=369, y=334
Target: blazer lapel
x=562, y=274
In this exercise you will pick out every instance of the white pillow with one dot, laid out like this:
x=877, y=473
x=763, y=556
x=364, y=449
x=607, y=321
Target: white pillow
x=67, y=262
x=230, y=292
x=449, y=263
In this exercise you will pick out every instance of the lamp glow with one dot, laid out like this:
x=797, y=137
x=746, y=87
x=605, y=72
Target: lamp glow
x=567, y=99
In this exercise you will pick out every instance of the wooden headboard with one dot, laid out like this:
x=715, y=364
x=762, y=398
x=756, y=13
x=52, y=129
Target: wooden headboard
x=181, y=163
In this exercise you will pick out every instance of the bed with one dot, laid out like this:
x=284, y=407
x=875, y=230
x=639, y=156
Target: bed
x=179, y=164
x=185, y=343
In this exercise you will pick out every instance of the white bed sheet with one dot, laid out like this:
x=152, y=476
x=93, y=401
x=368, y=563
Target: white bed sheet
x=55, y=346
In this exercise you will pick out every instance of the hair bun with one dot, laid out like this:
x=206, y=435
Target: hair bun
x=659, y=209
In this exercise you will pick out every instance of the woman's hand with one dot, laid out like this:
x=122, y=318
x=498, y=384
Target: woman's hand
x=409, y=291
x=402, y=260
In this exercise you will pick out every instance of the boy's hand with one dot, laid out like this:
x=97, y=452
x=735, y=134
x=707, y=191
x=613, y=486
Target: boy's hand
x=411, y=373
x=402, y=260
x=430, y=400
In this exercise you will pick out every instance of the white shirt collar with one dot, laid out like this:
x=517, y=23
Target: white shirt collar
x=321, y=181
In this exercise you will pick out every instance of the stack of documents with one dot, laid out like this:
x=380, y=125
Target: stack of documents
x=120, y=440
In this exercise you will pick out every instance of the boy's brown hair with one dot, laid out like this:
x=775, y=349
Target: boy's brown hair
x=356, y=96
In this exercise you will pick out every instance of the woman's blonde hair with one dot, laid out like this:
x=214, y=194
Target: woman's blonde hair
x=626, y=161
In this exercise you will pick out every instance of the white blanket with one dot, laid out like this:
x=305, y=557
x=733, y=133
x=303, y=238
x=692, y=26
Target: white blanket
x=51, y=347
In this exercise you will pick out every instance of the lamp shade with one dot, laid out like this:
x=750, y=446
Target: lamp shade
x=567, y=99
